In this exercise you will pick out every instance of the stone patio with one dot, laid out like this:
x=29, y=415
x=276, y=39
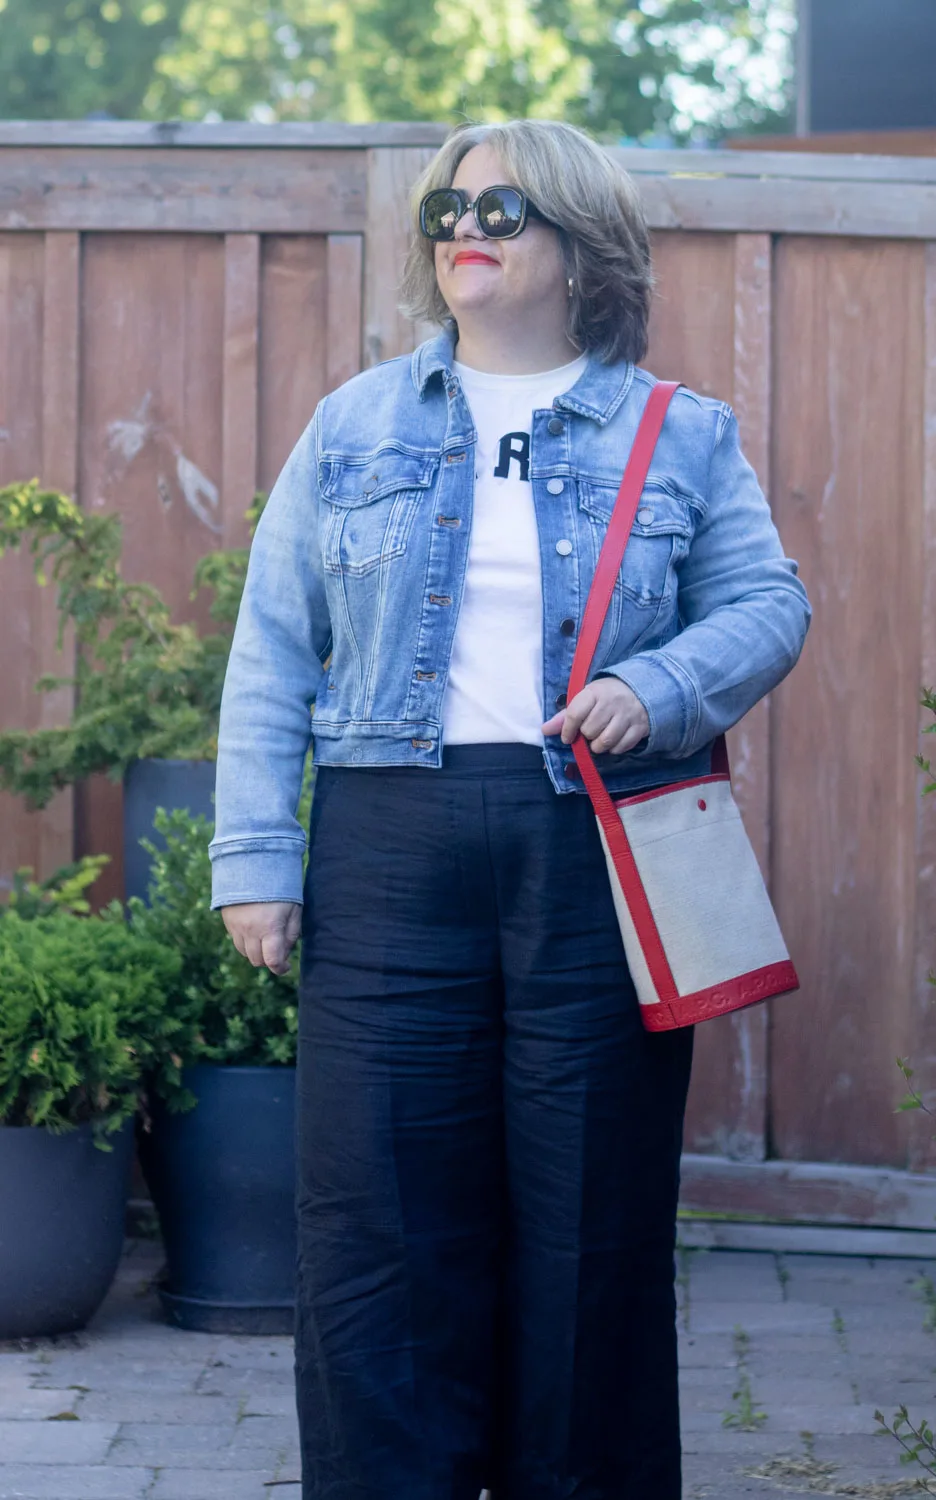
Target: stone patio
x=784, y=1361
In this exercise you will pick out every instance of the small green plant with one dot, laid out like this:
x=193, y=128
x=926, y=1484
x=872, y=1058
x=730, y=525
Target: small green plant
x=744, y=1415
x=62, y=891
x=926, y=1292
x=83, y=1020
x=916, y=1441
x=838, y=1328
x=144, y=686
x=229, y=1012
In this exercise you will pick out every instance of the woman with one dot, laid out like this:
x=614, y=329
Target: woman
x=489, y=1142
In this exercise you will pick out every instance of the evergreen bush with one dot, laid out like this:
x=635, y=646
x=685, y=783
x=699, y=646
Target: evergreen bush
x=230, y=1012
x=144, y=686
x=84, y=1022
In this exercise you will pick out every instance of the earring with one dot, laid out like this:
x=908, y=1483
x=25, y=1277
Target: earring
x=571, y=284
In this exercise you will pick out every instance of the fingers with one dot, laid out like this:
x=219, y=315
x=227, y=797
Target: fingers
x=607, y=714
x=264, y=932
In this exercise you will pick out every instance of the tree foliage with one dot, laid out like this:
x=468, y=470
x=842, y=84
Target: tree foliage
x=659, y=65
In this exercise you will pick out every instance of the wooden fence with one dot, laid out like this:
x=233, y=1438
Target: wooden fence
x=174, y=300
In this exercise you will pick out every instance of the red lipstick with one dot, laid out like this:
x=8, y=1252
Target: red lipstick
x=473, y=258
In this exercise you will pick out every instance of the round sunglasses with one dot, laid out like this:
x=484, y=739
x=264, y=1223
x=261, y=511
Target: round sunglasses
x=500, y=212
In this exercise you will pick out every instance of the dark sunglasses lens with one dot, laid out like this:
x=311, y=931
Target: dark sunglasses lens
x=440, y=214
x=500, y=212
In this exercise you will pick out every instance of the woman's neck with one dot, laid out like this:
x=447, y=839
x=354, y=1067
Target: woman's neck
x=501, y=352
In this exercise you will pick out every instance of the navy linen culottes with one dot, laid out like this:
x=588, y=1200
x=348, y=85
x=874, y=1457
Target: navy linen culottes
x=488, y=1150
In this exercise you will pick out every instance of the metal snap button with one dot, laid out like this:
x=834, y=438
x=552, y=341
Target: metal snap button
x=564, y=547
x=645, y=516
x=562, y=700
x=571, y=771
x=555, y=425
x=567, y=627
x=555, y=486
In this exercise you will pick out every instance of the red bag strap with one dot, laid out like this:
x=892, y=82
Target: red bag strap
x=596, y=608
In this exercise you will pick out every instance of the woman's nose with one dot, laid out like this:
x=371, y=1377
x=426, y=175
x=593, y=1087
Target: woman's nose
x=467, y=227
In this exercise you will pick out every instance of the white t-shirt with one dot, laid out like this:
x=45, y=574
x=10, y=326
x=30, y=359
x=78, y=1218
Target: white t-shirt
x=494, y=692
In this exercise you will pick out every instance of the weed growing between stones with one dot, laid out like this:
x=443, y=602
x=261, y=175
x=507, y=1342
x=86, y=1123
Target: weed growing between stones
x=743, y=1416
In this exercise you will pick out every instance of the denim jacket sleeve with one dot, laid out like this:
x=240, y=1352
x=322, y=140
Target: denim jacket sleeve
x=282, y=637
x=743, y=615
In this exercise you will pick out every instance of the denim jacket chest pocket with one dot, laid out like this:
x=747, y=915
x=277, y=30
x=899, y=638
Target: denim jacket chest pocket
x=659, y=538
x=370, y=504
x=644, y=597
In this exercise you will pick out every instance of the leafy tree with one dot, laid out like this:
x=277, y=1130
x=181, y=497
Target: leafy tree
x=660, y=65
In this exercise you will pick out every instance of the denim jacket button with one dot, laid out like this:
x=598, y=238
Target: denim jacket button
x=571, y=772
x=645, y=517
x=564, y=547
x=555, y=486
x=562, y=700
x=567, y=627
x=555, y=425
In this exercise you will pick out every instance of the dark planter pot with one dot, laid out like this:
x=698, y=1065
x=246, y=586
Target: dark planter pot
x=149, y=784
x=222, y=1180
x=62, y=1205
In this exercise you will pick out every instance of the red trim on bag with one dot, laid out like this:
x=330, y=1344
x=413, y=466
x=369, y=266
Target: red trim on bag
x=747, y=989
x=662, y=791
x=596, y=608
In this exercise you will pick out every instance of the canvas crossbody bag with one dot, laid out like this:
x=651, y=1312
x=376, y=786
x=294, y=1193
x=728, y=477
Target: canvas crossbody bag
x=699, y=931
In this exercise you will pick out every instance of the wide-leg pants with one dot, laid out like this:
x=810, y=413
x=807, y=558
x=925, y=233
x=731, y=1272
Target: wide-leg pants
x=488, y=1151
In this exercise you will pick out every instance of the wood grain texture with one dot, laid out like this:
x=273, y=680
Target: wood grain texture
x=921, y=1046
x=239, y=376
x=152, y=361
x=60, y=417
x=294, y=345
x=22, y=607
x=345, y=308
x=847, y=482
x=710, y=328
x=198, y=191
x=813, y=1192
x=390, y=179
x=228, y=135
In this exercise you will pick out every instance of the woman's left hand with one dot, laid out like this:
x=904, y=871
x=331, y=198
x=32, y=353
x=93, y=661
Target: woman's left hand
x=607, y=713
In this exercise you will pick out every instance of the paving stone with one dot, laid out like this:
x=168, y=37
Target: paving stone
x=197, y=1484
x=20, y=1401
x=158, y=1444
x=56, y=1442
x=58, y=1482
x=160, y=1407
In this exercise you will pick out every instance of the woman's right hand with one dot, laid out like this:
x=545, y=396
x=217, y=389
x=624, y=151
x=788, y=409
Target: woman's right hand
x=265, y=931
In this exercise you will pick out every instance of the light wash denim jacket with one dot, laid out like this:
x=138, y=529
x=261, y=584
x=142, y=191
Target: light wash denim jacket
x=359, y=562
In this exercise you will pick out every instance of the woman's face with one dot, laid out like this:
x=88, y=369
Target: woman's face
x=483, y=279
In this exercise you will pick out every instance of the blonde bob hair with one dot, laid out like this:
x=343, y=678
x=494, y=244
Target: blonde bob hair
x=602, y=230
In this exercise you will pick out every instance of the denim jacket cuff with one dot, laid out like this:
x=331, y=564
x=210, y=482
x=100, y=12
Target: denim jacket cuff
x=668, y=697
x=245, y=873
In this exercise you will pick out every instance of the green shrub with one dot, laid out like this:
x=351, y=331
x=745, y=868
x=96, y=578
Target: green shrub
x=144, y=686
x=230, y=1011
x=83, y=1020
x=64, y=890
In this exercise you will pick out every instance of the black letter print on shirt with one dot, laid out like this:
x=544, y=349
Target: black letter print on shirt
x=514, y=445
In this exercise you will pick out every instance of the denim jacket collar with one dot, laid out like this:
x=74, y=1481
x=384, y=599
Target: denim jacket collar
x=597, y=393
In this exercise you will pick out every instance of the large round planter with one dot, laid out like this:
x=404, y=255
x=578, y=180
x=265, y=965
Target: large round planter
x=62, y=1206
x=148, y=785
x=222, y=1179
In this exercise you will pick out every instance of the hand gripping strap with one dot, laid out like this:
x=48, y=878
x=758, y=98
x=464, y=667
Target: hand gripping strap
x=596, y=608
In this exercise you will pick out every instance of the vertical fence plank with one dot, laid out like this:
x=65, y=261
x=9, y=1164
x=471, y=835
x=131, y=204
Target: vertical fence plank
x=60, y=397
x=294, y=353
x=921, y=1046
x=239, y=384
x=345, y=269
x=749, y=742
x=847, y=480
x=22, y=279
x=391, y=172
